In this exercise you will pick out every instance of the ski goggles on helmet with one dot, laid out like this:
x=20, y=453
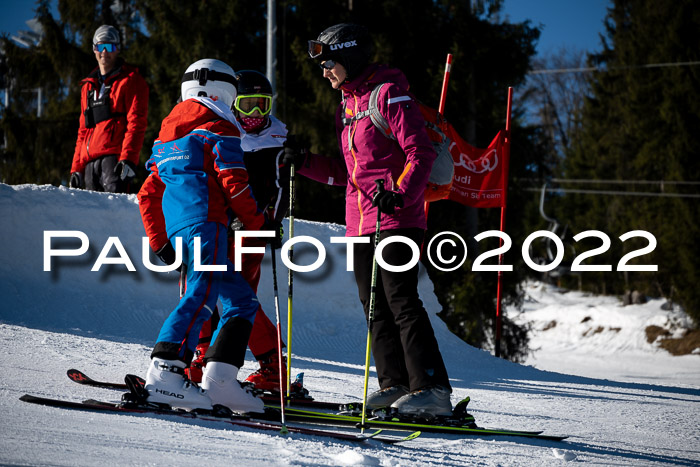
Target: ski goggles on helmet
x=316, y=49
x=105, y=46
x=249, y=103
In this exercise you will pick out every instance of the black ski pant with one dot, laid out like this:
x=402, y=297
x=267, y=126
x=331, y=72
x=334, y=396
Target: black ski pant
x=403, y=342
x=100, y=176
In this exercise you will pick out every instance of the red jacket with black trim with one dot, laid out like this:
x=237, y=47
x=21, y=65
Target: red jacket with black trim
x=123, y=133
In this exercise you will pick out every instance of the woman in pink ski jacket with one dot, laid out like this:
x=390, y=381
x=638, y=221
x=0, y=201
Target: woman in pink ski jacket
x=412, y=375
x=404, y=164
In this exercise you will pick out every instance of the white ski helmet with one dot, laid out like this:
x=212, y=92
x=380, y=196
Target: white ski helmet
x=209, y=78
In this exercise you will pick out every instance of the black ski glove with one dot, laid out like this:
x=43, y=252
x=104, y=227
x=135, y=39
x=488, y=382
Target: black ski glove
x=167, y=254
x=126, y=170
x=76, y=180
x=387, y=201
x=294, y=152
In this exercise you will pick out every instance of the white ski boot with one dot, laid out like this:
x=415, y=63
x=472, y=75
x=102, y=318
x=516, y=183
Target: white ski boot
x=166, y=384
x=221, y=383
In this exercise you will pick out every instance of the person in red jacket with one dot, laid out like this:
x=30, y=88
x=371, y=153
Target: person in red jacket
x=113, y=113
x=412, y=374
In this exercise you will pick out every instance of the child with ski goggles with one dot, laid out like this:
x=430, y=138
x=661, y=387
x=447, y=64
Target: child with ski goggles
x=247, y=104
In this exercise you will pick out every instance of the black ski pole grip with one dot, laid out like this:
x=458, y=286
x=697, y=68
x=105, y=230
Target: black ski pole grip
x=380, y=185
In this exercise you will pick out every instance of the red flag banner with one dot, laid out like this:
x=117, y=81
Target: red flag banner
x=481, y=175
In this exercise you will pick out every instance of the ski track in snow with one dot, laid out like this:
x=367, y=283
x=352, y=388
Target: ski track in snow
x=630, y=403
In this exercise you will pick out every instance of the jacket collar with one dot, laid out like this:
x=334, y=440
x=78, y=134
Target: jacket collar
x=373, y=75
x=365, y=77
x=94, y=75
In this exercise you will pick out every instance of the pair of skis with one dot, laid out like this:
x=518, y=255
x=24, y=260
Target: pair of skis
x=244, y=422
x=461, y=423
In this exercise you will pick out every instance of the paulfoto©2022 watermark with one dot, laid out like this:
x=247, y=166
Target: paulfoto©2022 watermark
x=446, y=251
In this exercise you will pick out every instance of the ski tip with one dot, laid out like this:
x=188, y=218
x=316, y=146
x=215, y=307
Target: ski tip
x=392, y=440
x=77, y=376
x=413, y=435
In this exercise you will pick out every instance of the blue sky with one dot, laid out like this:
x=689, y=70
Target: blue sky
x=565, y=23
x=575, y=24
x=14, y=14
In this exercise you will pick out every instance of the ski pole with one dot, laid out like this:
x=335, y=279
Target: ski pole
x=290, y=281
x=275, y=290
x=372, y=303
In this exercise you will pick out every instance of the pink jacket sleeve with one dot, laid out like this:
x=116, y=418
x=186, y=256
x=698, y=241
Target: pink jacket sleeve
x=331, y=171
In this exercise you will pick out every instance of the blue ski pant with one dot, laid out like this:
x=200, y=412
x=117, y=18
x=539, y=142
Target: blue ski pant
x=180, y=332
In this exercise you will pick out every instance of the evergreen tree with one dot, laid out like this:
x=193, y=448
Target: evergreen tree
x=639, y=124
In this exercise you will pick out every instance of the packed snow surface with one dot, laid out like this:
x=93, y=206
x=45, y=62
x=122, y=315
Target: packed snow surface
x=592, y=375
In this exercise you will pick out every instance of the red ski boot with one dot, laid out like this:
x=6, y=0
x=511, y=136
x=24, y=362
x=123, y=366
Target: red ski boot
x=194, y=371
x=267, y=378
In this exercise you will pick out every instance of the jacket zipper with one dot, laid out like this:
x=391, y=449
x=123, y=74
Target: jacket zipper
x=351, y=135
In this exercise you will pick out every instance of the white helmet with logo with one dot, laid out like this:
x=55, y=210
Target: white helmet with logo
x=209, y=78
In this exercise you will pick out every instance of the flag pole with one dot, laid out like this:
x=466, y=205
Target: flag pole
x=445, y=80
x=441, y=106
x=506, y=160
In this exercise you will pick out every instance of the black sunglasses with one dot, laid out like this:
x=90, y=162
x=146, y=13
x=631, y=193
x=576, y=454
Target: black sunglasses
x=328, y=64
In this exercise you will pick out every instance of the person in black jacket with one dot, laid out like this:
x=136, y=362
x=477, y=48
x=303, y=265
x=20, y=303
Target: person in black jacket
x=263, y=151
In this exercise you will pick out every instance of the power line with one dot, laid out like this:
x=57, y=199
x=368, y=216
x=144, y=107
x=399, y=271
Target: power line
x=608, y=182
x=590, y=69
x=622, y=182
x=616, y=193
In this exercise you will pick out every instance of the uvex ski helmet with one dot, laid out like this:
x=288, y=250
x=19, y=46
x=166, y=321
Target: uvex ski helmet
x=346, y=43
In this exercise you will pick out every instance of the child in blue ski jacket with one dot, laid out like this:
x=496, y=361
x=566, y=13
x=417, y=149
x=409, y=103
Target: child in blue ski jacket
x=198, y=180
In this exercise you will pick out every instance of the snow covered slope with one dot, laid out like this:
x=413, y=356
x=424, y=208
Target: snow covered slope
x=106, y=322
x=583, y=334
